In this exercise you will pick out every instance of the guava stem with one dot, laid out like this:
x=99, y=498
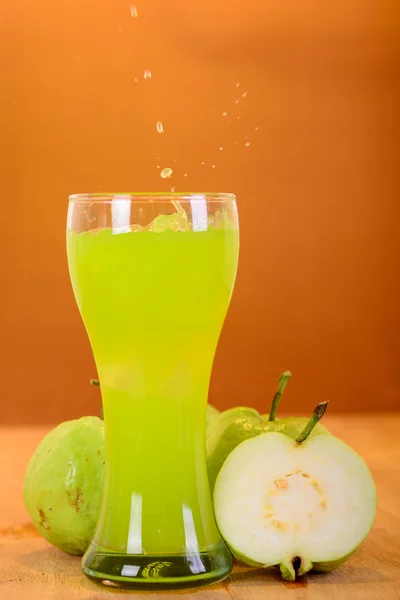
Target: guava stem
x=282, y=381
x=318, y=413
x=97, y=383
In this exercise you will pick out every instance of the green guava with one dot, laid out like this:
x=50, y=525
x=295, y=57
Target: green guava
x=64, y=482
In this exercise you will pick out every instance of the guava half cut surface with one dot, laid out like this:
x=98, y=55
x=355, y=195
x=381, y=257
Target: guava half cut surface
x=299, y=506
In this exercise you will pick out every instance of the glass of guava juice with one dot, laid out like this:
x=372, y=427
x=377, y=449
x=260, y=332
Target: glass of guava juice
x=153, y=276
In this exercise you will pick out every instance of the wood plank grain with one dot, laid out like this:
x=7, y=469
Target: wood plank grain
x=31, y=569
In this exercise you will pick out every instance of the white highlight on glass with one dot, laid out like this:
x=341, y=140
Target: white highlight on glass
x=121, y=214
x=192, y=546
x=134, y=544
x=130, y=570
x=198, y=204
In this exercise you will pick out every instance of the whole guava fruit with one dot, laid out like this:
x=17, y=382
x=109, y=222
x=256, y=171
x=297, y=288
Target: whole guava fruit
x=64, y=482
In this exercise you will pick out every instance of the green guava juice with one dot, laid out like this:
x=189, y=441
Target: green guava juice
x=154, y=304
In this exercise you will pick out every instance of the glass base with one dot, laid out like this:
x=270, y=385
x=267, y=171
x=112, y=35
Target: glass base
x=146, y=572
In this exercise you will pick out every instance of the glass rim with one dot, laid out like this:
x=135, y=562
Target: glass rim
x=152, y=197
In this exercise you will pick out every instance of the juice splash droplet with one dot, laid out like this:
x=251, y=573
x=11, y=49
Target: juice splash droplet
x=237, y=101
x=167, y=172
x=160, y=127
x=224, y=114
x=213, y=166
x=248, y=144
x=238, y=84
x=147, y=74
x=244, y=94
x=221, y=147
x=135, y=79
x=256, y=128
x=173, y=189
x=185, y=174
x=134, y=12
x=203, y=164
x=158, y=167
x=238, y=118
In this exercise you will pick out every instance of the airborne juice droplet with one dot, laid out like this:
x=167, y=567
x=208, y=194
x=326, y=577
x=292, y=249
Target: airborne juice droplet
x=167, y=172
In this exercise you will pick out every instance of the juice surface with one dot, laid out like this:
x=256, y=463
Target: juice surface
x=154, y=304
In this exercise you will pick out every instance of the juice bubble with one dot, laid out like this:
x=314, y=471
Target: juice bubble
x=147, y=74
x=167, y=172
x=160, y=127
x=134, y=12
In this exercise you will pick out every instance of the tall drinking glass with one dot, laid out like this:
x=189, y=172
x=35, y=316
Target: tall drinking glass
x=153, y=275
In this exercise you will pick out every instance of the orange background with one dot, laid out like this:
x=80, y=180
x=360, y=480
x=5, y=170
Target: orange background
x=317, y=289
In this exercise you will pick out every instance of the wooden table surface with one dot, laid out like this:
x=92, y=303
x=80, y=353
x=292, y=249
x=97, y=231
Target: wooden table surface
x=31, y=569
